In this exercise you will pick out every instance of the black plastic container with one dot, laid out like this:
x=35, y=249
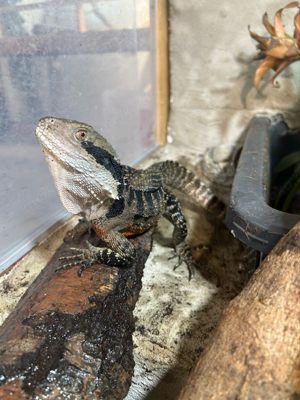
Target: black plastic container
x=250, y=217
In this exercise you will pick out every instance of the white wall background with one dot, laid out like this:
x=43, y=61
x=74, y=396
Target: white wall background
x=212, y=92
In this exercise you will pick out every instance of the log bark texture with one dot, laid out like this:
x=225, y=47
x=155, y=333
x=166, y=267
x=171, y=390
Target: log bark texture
x=254, y=352
x=71, y=337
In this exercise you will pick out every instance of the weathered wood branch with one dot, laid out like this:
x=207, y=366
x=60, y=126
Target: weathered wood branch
x=71, y=336
x=254, y=352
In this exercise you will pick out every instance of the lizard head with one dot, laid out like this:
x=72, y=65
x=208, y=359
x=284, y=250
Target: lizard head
x=85, y=167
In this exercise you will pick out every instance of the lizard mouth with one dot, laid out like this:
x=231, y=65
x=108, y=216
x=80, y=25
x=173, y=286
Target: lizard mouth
x=56, y=146
x=44, y=138
x=51, y=141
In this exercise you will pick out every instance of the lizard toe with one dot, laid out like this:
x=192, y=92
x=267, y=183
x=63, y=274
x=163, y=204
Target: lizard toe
x=191, y=271
x=81, y=269
x=69, y=257
x=183, y=252
x=178, y=263
x=173, y=256
x=77, y=249
x=67, y=266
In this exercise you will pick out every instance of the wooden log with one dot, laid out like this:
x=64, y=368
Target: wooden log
x=71, y=336
x=254, y=352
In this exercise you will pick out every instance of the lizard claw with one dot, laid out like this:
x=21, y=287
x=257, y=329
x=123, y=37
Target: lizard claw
x=178, y=263
x=81, y=269
x=175, y=255
x=182, y=251
x=85, y=258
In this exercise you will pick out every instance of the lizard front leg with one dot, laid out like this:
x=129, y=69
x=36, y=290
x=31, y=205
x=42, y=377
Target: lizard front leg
x=119, y=252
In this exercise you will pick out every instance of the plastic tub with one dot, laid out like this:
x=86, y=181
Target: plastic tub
x=250, y=217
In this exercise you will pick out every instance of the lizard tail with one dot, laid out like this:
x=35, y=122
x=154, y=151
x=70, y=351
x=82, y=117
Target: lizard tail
x=180, y=178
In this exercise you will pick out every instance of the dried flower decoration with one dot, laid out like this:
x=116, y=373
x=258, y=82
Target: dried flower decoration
x=278, y=51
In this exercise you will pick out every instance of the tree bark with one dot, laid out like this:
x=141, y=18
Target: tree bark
x=254, y=352
x=71, y=337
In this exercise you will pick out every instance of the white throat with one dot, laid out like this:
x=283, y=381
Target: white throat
x=82, y=187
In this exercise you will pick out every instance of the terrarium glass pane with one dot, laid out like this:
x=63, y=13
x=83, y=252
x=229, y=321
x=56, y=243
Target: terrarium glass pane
x=91, y=61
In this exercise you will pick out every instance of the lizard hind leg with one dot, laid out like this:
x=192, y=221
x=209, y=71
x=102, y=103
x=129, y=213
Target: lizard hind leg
x=174, y=214
x=183, y=252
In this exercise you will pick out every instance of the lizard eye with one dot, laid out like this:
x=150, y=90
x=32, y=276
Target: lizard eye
x=81, y=134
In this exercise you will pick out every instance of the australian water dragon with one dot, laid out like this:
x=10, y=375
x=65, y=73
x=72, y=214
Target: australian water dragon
x=116, y=200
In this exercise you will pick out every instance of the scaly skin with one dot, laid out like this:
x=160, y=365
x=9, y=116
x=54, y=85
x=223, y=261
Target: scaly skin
x=115, y=200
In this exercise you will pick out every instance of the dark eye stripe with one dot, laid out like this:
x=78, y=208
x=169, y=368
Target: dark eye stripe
x=104, y=158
